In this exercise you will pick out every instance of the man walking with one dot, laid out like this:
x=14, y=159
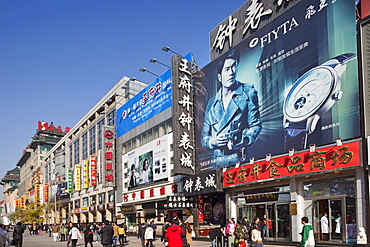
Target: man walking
x=106, y=233
x=55, y=232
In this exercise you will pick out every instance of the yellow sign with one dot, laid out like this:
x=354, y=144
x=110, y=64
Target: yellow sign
x=86, y=174
x=293, y=209
x=77, y=177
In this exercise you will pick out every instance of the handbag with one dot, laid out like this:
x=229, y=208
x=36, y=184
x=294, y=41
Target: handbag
x=12, y=242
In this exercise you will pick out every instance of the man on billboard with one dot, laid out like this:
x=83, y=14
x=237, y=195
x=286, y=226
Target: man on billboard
x=232, y=118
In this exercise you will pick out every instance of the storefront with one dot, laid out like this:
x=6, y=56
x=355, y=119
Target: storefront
x=332, y=186
x=205, y=189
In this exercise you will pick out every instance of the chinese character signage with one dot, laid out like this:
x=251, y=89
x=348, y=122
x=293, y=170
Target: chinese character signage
x=77, y=177
x=70, y=181
x=149, y=162
x=93, y=170
x=154, y=99
x=108, y=156
x=248, y=19
x=321, y=160
x=183, y=115
x=86, y=174
x=289, y=84
x=46, y=193
x=49, y=127
x=178, y=202
x=37, y=192
x=203, y=183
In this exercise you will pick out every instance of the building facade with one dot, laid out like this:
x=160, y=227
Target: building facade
x=78, y=170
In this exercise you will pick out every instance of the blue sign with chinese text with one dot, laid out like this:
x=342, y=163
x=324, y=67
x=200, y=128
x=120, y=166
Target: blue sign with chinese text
x=154, y=99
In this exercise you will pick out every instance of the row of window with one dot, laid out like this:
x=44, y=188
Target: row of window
x=148, y=136
x=91, y=201
x=90, y=140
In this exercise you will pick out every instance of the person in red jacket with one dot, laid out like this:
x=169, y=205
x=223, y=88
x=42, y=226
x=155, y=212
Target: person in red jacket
x=174, y=234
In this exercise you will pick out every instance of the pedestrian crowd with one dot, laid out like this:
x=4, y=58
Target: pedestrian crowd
x=109, y=235
x=239, y=233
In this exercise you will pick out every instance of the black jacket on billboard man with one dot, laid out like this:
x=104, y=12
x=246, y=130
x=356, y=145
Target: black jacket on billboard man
x=232, y=118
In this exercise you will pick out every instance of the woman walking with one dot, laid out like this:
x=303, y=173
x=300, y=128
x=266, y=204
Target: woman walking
x=74, y=234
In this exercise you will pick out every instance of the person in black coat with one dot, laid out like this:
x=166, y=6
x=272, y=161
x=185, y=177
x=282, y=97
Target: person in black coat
x=88, y=235
x=18, y=234
x=183, y=236
x=141, y=233
x=106, y=233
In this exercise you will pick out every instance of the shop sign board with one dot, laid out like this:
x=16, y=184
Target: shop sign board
x=176, y=202
x=206, y=182
x=183, y=115
x=325, y=159
x=108, y=157
x=292, y=84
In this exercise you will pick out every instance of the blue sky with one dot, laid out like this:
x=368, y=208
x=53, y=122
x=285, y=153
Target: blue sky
x=58, y=58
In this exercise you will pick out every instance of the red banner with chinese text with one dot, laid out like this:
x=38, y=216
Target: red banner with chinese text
x=322, y=159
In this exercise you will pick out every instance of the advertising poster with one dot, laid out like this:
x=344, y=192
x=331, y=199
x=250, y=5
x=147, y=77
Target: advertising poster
x=155, y=98
x=289, y=84
x=149, y=162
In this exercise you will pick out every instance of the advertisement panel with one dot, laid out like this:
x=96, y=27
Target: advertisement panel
x=152, y=100
x=289, y=84
x=149, y=162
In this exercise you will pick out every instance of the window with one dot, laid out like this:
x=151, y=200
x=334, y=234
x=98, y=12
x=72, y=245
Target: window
x=70, y=156
x=84, y=146
x=92, y=135
x=76, y=149
x=111, y=117
x=101, y=198
x=100, y=134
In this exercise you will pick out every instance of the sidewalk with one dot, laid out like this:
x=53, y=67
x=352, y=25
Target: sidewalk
x=43, y=240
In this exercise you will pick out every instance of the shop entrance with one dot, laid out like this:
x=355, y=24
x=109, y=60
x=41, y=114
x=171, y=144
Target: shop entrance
x=341, y=217
x=277, y=223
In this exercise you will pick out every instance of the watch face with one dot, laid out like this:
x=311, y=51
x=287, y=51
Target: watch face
x=309, y=93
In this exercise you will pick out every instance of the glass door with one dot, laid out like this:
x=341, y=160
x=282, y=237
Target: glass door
x=336, y=224
x=283, y=221
x=271, y=221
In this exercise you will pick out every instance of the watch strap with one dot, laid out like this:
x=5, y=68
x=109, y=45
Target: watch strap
x=295, y=138
x=341, y=59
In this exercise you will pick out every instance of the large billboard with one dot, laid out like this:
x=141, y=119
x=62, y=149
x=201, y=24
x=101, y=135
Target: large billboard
x=289, y=84
x=153, y=99
x=149, y=162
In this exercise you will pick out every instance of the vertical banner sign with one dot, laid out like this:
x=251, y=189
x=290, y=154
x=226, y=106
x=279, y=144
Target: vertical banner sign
x=86, y=174
x=70, y=181
x=16, y=203
x=46, y=193
x=37, y=192
x=108, y=157
x=77, y=177
x=183, y=115
x=92, y=170
x=23, y=200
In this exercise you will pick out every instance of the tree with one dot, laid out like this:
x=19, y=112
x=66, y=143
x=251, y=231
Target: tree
x=32, y=212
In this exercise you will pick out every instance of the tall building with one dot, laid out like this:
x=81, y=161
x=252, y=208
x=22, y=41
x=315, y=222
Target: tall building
x=10, y=187
x=79, y=170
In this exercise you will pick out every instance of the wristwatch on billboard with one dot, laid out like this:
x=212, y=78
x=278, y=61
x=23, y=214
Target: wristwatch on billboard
x=310, y=97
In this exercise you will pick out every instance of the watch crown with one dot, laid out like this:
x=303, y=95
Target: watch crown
x=337, y=95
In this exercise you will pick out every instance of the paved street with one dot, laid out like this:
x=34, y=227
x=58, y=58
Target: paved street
x=43, y=240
